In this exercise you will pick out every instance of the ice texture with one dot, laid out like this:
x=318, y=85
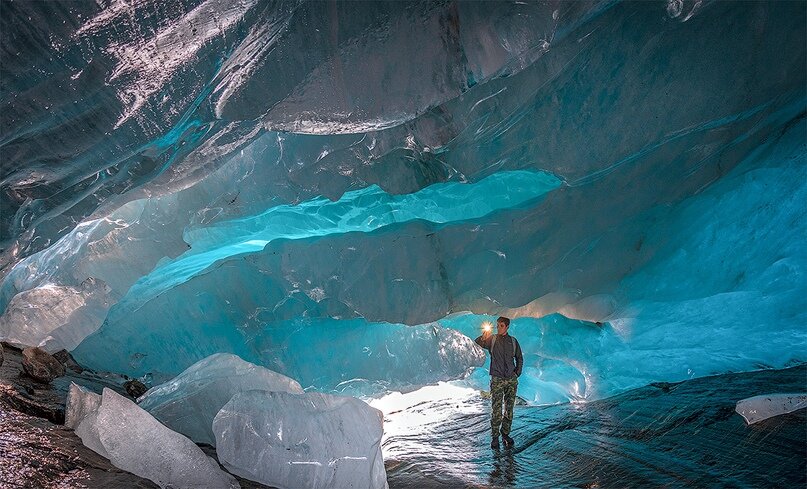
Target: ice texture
x=184, y=85
x=81, y=414
x=759, y=408
x=133, y=440
x=311, y=440
x=673, y=133
x=189, y=402
x=351, y=356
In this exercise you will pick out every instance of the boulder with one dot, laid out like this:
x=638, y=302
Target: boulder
x=40, y=365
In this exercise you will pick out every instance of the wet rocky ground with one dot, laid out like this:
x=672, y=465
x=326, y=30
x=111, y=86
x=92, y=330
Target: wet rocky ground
x=683, y=434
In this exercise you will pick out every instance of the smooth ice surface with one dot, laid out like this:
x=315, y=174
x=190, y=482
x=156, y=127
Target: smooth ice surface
x=189, y=402
x=133, y=440
x=301, y=440
x=759, y=408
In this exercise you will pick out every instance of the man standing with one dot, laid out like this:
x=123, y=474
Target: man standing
x=506, y=363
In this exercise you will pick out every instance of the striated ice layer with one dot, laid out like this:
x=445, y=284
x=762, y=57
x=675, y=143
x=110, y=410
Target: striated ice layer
x=103, y=249
x=151, y=96
x=759, y=408
x=361, y=211
x=134, y=441
x=312, y=440
x=189, y=402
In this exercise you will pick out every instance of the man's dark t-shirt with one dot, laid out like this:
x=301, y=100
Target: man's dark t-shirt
x=506, y=360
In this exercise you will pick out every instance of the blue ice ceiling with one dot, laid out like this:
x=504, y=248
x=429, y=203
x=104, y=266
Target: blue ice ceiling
x=371, y=180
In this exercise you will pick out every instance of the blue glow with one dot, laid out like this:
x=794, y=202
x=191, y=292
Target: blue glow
x=362, y=210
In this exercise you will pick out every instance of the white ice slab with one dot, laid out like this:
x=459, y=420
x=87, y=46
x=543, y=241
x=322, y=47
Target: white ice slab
x=292, y=441
x=134, y=441
x=190, y=401
x=758, y=408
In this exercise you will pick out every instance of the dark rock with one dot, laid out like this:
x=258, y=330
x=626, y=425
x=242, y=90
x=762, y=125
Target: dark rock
x=1, y=355
x=29, y=396
x=66, y=359
x=62, y=356
x=135, y=388
x=665, y=386
x=40, y=365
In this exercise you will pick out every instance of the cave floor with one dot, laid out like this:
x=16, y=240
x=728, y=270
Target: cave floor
x=663, y=435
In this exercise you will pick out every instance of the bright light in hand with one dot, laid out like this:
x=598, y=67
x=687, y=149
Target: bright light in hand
x=487, y=326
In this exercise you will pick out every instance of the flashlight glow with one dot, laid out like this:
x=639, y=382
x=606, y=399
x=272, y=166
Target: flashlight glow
x=487, y=326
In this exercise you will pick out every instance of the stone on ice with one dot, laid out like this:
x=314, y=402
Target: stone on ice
x=308, y=440
x=190, y=401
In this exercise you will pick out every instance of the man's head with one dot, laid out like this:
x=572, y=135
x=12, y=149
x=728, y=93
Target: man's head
x=502, y=324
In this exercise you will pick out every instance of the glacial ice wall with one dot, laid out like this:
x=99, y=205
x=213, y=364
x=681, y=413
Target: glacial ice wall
x=246, y=177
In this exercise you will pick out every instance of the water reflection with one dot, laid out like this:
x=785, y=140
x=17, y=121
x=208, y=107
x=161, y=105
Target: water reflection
x=689, y=436
x=504, y=470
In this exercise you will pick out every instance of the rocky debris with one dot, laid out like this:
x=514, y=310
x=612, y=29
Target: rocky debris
x=37, y=453
x=41, y=365
x=135, y=388
x=46, y=400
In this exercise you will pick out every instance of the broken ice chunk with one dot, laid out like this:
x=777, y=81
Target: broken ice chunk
x=190, y=401
x=758, y=408
x=81, y=413
x=133, y=440
x=306, y=440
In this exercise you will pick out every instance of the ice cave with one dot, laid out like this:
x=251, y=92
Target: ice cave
x=254, y=243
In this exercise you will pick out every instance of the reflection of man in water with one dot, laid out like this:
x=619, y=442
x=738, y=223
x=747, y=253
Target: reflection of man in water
x=505, y=367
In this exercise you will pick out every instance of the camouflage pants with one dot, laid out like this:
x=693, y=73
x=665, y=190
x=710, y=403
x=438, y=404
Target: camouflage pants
x=502, y=390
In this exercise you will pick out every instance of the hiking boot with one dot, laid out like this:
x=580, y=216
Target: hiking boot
x=508, y=442
x=494, y=443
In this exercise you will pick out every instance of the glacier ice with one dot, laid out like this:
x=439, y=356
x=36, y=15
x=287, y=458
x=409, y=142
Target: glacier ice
x=102, y=249
x=306, y=440
x=671, y=136
x=341, y=192
x=351, y=356
x=759, y=408
x=81, y=414
x=153, y=97
x=189, y=402
x=133, y=440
